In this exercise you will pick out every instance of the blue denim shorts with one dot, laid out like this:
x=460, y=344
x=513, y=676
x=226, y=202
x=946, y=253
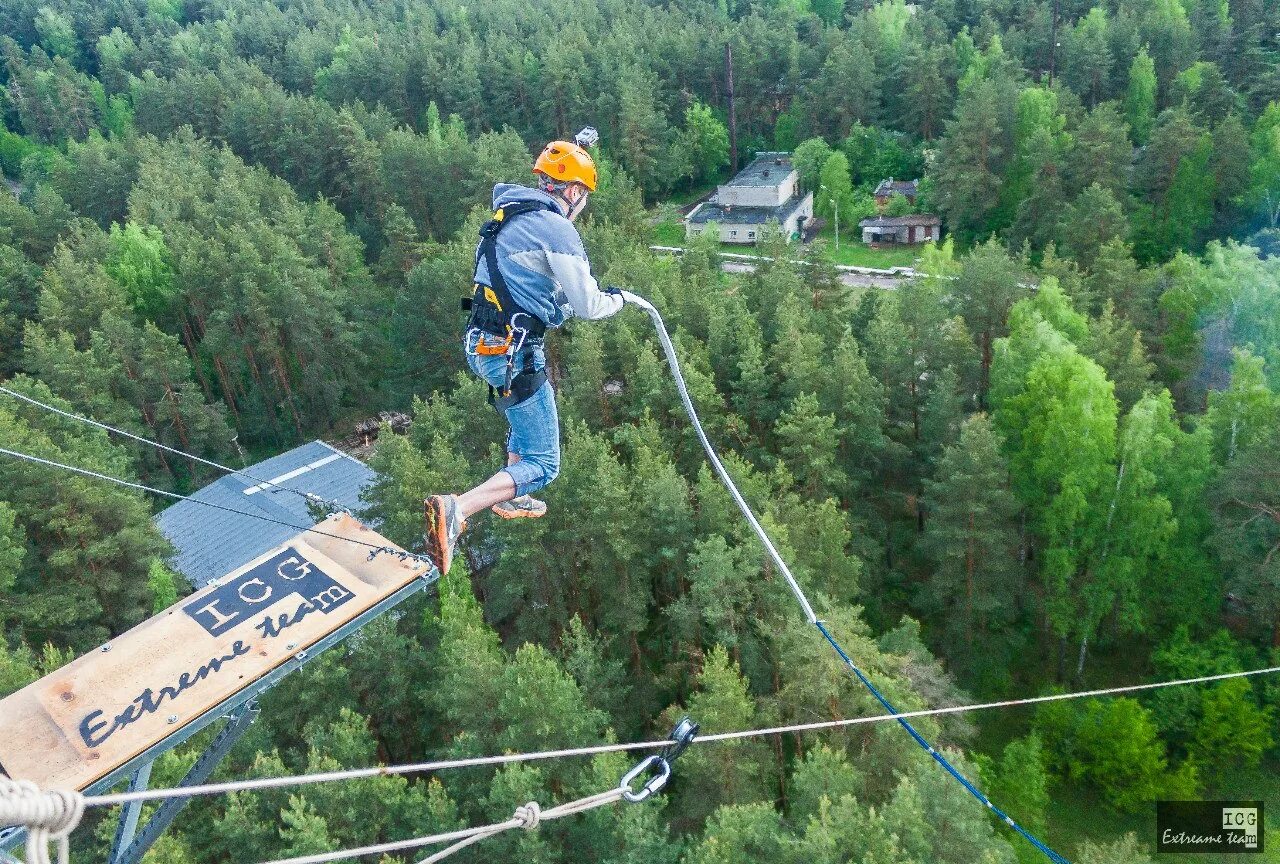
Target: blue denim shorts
x=535, y=426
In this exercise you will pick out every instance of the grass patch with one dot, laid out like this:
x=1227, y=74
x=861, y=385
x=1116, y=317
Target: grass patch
x=852, y=252
x=1077, y=813
x=668, y=234
x=857, y=254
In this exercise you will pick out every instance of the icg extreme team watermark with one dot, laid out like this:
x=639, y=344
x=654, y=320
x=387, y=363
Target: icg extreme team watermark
x=1209, y=826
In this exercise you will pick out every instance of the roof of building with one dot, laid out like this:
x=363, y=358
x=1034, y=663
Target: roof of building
x=910, y=188
x=769, y=168
x=211, y=543
x=900, y=221
x=710, y=211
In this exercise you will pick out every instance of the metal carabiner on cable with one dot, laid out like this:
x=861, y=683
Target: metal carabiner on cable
x=659, y=764
x=661, y=770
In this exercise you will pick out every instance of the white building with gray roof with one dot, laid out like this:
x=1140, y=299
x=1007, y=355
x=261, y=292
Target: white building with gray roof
x=764, y=196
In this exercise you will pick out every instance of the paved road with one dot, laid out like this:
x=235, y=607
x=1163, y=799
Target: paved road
x=866, y=280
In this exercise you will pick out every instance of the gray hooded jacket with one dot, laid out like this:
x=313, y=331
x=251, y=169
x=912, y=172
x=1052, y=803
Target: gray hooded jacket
x=544, y=264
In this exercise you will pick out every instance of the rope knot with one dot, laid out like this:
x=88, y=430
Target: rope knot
x=529, y=815
x=47, y=816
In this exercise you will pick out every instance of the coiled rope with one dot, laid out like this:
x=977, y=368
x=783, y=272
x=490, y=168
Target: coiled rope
x=48, y=817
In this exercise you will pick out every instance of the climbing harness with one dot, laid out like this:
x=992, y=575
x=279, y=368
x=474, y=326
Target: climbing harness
x=672, y=361
x=498, y=325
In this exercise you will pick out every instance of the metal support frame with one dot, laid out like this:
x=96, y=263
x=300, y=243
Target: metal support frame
x=129, y=850
x=128, y=822
x=231, y=708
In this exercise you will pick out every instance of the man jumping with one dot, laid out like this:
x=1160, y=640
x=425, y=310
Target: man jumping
x=531, y=273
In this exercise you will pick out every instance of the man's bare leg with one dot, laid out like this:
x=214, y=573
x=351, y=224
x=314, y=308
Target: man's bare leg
x=498, y=488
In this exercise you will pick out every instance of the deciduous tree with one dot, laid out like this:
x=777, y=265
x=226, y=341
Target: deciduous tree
x=1140, y=100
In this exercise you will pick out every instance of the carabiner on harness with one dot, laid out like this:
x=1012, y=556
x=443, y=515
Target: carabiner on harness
x=513, y=347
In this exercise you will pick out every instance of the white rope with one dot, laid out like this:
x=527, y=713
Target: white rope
x=670, y=351
x=480, y=761
x=141, y=440
x=85, y=472
x=112, y=800
x=527, y=816
x=47, y=816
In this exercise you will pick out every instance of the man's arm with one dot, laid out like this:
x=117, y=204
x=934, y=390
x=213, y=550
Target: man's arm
x=573, y=274
x=564, y=259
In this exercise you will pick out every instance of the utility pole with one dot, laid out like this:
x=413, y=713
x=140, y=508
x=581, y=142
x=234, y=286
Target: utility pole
x=733, y=113
x=835, y=211
x=1053, y=42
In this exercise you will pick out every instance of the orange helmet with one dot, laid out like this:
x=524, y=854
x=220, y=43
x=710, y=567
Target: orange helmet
x=566, y=162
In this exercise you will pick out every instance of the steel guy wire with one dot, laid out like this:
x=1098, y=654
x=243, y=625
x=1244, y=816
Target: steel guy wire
x=85, y=472
x=112, y=799
x=141, y=440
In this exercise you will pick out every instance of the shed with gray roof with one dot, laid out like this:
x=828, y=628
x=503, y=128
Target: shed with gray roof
x=887, y=230
x=908, y=189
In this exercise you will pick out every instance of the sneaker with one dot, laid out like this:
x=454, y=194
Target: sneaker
x=444, y=525
x=523, y=507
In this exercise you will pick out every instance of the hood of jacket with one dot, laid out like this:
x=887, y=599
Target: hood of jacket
x=506, y=193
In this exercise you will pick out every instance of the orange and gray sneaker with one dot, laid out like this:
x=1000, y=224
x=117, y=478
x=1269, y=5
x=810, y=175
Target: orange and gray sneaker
x=520, y=507
x=444, y=525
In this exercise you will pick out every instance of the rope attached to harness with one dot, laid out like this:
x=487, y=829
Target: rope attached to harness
x=669, y=349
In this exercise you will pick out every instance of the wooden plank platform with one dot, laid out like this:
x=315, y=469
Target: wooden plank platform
x=76, y=725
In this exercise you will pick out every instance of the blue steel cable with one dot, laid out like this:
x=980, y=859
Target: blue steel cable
x=672, y=361
x=938, y=757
